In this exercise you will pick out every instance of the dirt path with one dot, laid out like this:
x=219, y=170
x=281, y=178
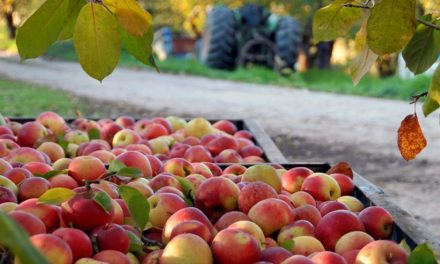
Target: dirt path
x=306, y=125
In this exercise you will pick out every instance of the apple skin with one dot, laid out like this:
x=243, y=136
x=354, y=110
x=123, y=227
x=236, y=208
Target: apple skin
x=309, y=213
x=178, y=166
x=216, y=196
x=252, y=229
x=125, y=121
x=229, y=218
x=9, y=184
x=322, y=187
x=330, y=206
x=30, y=223
x=4, y=130
x=187, y=213
x=198, y=127
x=176, y=122
x=76, y=137
x=264, y=173
x=301, y=198
x=32, y=187
x=77, y=240
x=155, y=164
x=178, y=150
x=345, y=183
x=378, y=222
x=6, y=146
x=86, y=168
x=328, y=257
x=249, y=151
x=47, y=213
x=36, y=167
x=111, y=237
x=382, y=251
x=192, y=227
x=220, y=143
x=297, y=259
x=85, y=213
x=236, y=169
x=295, y=229
x=225, y=126
x=275, y=255
x=243, y=134
x=306, y=245
x=153, y=130
x=103, y=155
x=214, y=168
x=137, y=160
x=196, y=180
x=125, y=137
x=336, y=224
x=17, y=175
x=254, y=192
x=30, y=133
x=164, y=122
x=53, y=248
x=108, y=131
x=353, y=203
x=206, y=169
x=198, y=154
x=162, y=180
x=294, y=178
x=228, y=156
x=350, y=256
x=53, y=150
x=8, y=207
x=25, y=155
x=231, y=246
x=162, y=206
x=112, y=257
x=271, y=215
x=4, y=166
x=187, y=249
x=352, y=241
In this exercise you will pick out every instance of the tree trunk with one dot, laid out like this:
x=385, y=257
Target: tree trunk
x=10, y=25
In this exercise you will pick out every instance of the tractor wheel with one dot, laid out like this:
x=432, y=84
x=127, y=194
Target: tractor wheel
x=288, y=38
x=219, y=45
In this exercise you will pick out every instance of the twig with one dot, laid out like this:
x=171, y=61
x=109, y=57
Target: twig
x=356, y=6
x=428, y=24
x=416, y=98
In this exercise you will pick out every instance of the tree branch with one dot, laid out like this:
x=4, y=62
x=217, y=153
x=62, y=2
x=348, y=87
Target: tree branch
x=416, y=98
x=428, y=24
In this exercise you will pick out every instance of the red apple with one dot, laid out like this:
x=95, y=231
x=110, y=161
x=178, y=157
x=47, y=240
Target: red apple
x=254, y=192
x=17, y=175
x=352, y=241
x=301, y=198
x=198, y=154
x=6, y=146
x=86, y=168
x=125, y=121
x=30, y=133
x=243, y=134
x=25, y=155
x=53, y=150
x=232, y=246
x=345, y=183
x=228, y=156
x=32, y=188
x=192, y=227
x=294, y=178
x=77, y=240
x=178, y=166
x=271, y=215
x=112, y=257
x=309, y=213
x=297, y=259
x=47, y=213
x=53, y=248
x=221, y=143
x=322, y=187
x=382, y=251
x=225, y=126
x=275, y=255
x=109, y=130
x=137, y=160
x=63, y=180
x=111, y=237
x=36, y=167
x=295, y=229
x=328, y=257
x=330, y=206
x=162, y=206
x=30, y=223
x=4, y=166
x=229, y=218
x=187, y=248
x=125, y=137
x=378, y=222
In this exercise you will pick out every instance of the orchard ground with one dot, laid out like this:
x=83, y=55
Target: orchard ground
x=307, y=126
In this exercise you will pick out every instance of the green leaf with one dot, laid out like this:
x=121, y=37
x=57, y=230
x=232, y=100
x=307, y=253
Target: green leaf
x=391, y=25
x=432, y=101
x=75, y=7
x=93, y=134
x=423, y=49
x=130, y=172
x=96, y=40
x=115, y=166
x=50, y=174
x=188, y=190
x=334, y=20
x=422, y=254
x=15, y=239
x=405, y=246
x=104, y=201
x=137, y=204
x=138, y=46
x=288, y=244
x=42, y=29
x=152, y=63
x=56, y=196
x=136, y=244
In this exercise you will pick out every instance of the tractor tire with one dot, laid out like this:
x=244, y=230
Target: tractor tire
x=219, y=44
x=288, y=39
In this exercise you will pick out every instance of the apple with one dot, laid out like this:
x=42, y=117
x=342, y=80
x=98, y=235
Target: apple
x=109, y=130
x=216, y=196
x=236, y=169
x=264, y=173
x=4, y=166
x=301, y=198
x=47, y=213
x=25, y=155
x=176, y=122
x=328, y=257
x=36, y=167
x=341, y=167
x=142, y=187
x=111, y=237
x=243, y=134
x=17, y=175
x=53, y=150
x=271, y=215
x=162, y=180
x=136, y=160
x=254, y=192
x=86, y=168
x=225, y=126
x=206, y=169
x=162, y=206
x=382, y=251
x=159, y=146
x=4, y=130
x=229, y=218
x=155, y=164
x=192, y=141
x=197, y=154
x=275, y=255
x=336, y=224
x=125, y=121
x=6, y=146
x=295, y=229
x=252, y=229
x=178, y=150
x=178, y=167
x=309, y=213
x=221, y=143
x=350, y=256
x=29, y=222
x=192, y=227
x=53, y=248
x=232, y=246
x=52, y=121
x=164, y=122
x=32, y=187
x=293, y=179
x=322, y=187
x=61, y=164
x=198, y=127
x=306, y=245
x=140, y=147
x=297, y=259
x=112, y=257
x=77, y=240
x=30, y=133
x=103, y=155
x=153, y=130
x=125, y=137
x=378, y=222
x=352, y=241
x=110, y=188
x=228, y=156
x=7, y=183
x=330, y=206
x=353, y=203
x=187, y=249
x=76, y=137
x=196, y=180
x=8, y=207
x=345, y=183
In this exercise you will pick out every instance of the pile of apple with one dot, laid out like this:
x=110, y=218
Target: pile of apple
x=150, y=191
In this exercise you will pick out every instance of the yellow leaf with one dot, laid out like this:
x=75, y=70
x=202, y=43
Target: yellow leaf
x=131, y=16
x=410, y=138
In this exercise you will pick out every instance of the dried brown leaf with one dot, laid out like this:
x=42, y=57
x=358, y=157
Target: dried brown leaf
x=410, y=138
x=341, y=167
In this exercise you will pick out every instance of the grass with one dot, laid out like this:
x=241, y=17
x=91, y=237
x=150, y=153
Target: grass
x=21, y=99
x=333, y=80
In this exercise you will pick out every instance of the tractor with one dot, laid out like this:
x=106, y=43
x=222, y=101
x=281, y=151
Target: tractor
x=250, y=35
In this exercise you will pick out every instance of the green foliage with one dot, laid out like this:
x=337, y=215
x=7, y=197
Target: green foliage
x=334, y=21
x=56, y=196
x=103, y=200
x=422, y=254
x=432, y=101
x=137, y=205
x=15, y=239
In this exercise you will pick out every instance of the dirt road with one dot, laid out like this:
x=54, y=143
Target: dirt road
x=306, y=125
